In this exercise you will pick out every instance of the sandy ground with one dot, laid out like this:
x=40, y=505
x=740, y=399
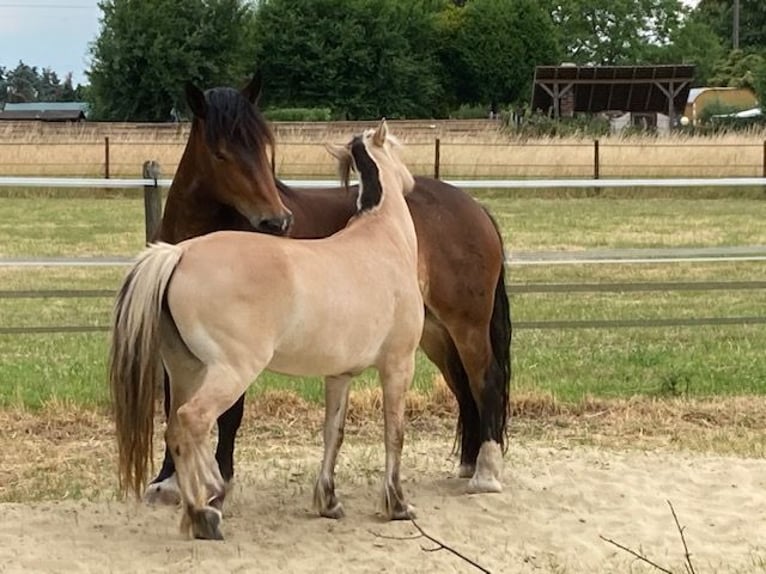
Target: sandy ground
x=557, y=503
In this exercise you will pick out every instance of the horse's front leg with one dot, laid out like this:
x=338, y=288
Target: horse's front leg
x=396, y=379
x=336, y=403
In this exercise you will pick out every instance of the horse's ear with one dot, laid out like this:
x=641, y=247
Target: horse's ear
x=339, y=152
x=196, y=100
x=381, y=133
x=252, y=91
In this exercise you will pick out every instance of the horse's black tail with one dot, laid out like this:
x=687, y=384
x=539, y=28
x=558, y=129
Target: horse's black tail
x=498, y=382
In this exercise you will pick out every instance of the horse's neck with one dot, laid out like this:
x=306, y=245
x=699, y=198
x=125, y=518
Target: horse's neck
x=191, y=208
x=393, y=215
x=318, y=212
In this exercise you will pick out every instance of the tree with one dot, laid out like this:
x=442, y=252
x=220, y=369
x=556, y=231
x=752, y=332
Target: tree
x=739, y=70
x=362, y=59
x=148, y=49
x=614, y=32
x=48, y=86
x=752, y=21
x=3, y=86
x=694, y=42
x=22, y=84
x=495, y=46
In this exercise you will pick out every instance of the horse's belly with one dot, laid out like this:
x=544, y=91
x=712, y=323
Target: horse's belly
x=324, y=361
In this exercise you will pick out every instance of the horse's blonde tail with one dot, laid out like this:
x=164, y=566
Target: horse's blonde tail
x=135, y=365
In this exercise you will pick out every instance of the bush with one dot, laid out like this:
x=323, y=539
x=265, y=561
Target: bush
x=469, y=112
x=539, y=125
x=298, y=114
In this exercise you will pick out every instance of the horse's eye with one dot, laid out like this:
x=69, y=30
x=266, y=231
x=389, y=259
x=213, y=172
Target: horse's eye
x=219, y=156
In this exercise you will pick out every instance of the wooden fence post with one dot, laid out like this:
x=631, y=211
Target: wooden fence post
x=437, y=157
x=106, y=157
x=596, y=161
x=764, y=158
x=152, y=199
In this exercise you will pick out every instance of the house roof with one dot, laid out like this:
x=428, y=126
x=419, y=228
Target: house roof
x=46, y=106
x=44, y=116
x=694, y=93
x=611, y=88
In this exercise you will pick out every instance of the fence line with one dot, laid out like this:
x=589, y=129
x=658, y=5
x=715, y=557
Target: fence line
x=595, y=165
x=136, y=183
x=152, y=185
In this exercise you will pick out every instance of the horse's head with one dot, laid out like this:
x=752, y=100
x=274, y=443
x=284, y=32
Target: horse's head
x=231, y=140
x=379, y=145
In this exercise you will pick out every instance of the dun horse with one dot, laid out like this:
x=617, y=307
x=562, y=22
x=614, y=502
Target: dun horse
x=224, y=307
x=224, y=181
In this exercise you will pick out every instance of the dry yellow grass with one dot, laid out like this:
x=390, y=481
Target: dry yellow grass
x=477, y=149
x=67, y=450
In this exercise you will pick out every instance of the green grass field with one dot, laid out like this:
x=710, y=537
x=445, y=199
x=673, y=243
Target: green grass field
x=566, y=364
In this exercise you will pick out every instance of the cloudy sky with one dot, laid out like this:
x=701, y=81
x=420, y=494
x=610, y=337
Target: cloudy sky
x=54, y=34
x=48, y=33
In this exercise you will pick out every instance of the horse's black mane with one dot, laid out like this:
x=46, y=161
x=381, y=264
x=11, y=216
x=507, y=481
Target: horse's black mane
x=370, y=192
x=230, y=117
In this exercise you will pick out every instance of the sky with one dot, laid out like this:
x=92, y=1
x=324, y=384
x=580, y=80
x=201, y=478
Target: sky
x=55, y=34
x=48, y=34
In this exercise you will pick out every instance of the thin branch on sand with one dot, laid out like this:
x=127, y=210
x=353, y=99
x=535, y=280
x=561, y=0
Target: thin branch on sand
x=687, y=555
x=439, y=545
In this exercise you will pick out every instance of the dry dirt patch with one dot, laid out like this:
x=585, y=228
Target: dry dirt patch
x=568, y=480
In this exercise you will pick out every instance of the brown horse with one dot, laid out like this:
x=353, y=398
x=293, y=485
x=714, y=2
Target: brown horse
x=224, y=181
x=224, y=307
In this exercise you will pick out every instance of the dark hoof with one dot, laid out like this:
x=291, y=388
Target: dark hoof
x=335, y=512
x=206, y=523
x=405, y=512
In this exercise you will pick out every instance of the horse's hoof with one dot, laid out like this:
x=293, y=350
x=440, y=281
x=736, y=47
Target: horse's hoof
x=336, y=512
x=206, y=524
x=405, y=512
x=484, y=484
x=165, y=492
x=466, y=470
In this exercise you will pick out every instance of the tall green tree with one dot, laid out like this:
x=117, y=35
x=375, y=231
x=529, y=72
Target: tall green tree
x=613, y=32
x=739, y=70
x=3, y=86
x=23, y=82
x=493, y=47
x=361, y=58
x=752, y=21
x=147, y=49
x=694, y=42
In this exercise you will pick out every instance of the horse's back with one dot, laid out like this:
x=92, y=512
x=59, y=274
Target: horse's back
x=317, y=307
x=461, y=252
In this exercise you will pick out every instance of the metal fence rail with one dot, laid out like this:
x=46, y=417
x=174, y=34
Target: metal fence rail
x=513, y=288
x=752, y=253
x=137, y=183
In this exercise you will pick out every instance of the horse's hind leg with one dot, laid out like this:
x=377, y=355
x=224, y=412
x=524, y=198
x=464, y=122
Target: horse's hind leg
x=199, y=478
x=228, y=425
x=164, y=488
x=476, y=354
x=440, y=349
x=396, y=378
x=336, y=404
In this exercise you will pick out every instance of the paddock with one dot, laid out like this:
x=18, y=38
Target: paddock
x=601, y=440
x=572, y=477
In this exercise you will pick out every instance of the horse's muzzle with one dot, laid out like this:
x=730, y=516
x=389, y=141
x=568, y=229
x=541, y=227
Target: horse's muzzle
x=275, y=225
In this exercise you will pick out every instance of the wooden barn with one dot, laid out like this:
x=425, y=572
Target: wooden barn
x=653, y=96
